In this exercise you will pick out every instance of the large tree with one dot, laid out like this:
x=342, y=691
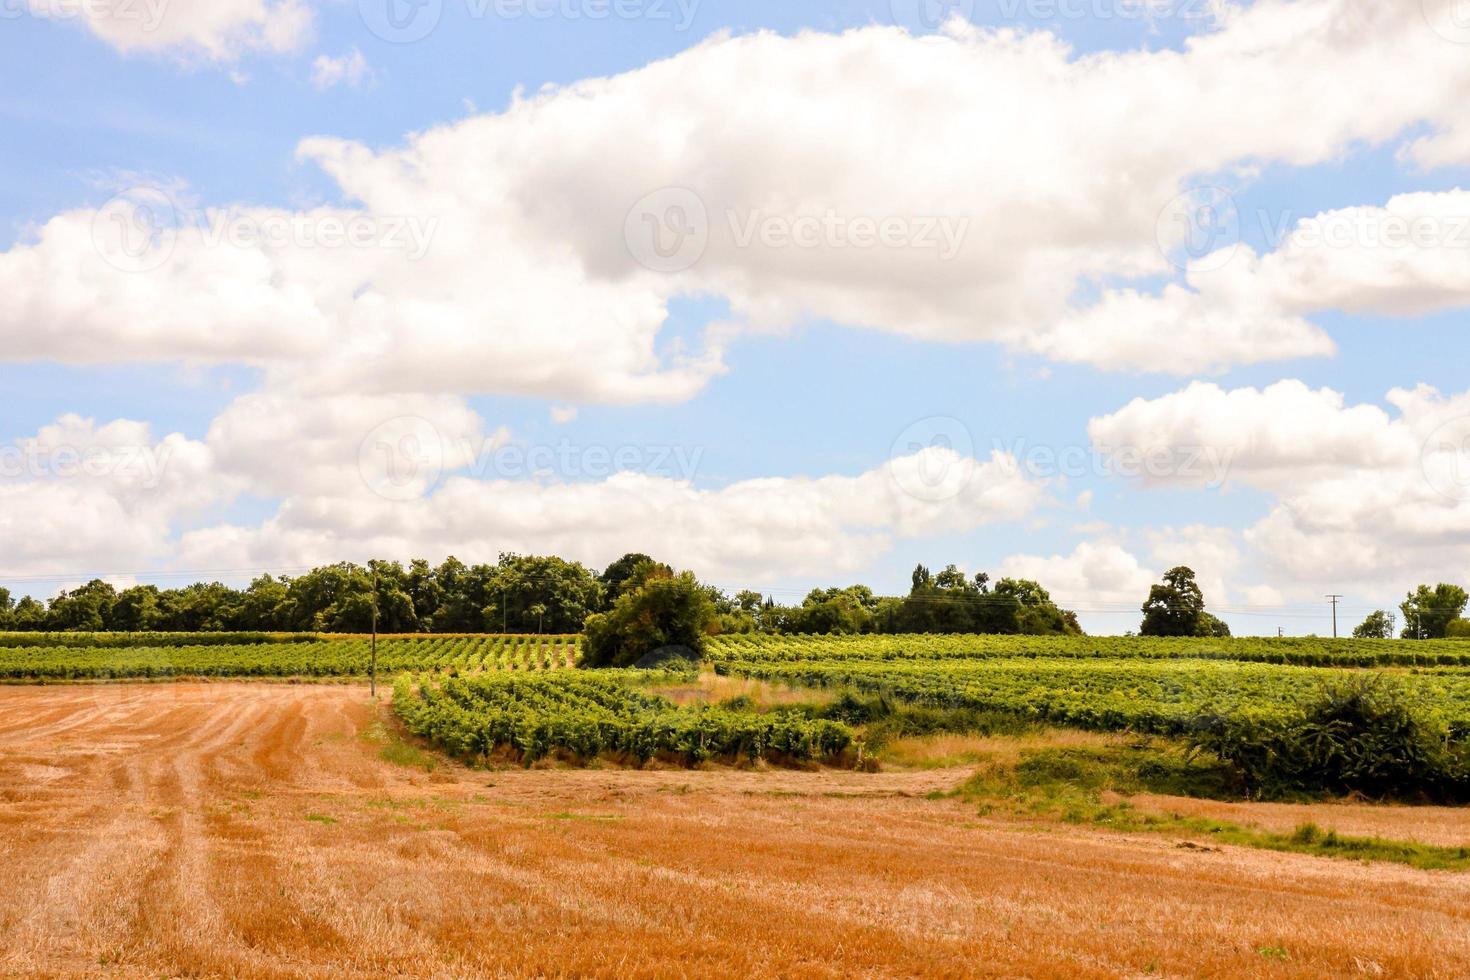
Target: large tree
x=665, y=610
x=1428, y=612
x=1176, y=607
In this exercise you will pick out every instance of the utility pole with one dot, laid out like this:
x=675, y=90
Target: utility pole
x=1279, y=633
x=1333, y=599
x=373, y=670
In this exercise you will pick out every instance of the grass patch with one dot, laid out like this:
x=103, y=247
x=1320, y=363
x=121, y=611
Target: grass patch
x=321, y=818
x=1081, y=785
x=400, y=753
x=397, y=751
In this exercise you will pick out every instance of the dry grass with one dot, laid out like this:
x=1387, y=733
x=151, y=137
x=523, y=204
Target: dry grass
x=711, y=688
x=239, y=830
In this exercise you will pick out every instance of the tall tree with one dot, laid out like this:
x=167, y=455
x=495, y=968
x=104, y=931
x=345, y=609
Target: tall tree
x=1175, y=607
x=1378, y=625
x=1427, y=612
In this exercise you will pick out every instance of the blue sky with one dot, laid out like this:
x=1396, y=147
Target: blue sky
x=216, y=120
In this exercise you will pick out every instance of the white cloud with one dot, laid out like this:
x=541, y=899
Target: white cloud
x=350, y=69
x=1264, y=437
x=1002, y=147
x=755, y=528
x=1094, y=572
x=1360, y=497
x=79, y=495
x=211, y=30
x=1407, y=258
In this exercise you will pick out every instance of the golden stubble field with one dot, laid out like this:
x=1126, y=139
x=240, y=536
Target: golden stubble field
x=254, y=830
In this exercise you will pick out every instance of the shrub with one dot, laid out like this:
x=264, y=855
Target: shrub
x=665, y=611
x=1360, y=735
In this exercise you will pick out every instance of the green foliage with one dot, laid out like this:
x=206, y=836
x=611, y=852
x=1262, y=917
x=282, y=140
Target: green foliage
x=77, y=656
x=666, y=610
x=1174, y=608
x=1232, y=690
x=627, y=573
x=586, y=715
x=950, y=602
x=1073, y=782
x=545, y=594
x=1457, y=629
x=1211, y=625
x=1377, y=625
x=1428, y=612
x=1356, y=735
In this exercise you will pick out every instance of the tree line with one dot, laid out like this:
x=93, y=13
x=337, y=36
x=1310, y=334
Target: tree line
x=547, y=594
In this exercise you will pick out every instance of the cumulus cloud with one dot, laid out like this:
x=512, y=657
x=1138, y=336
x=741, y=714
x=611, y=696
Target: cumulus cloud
x=1360, y=495
x=752, y=529
x=111, y=496
x=1093, y=572
x=1409, y=257
x=559, y=230
x=354, y=477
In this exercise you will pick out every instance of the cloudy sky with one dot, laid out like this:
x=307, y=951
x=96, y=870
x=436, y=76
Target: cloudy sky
x=790, y=294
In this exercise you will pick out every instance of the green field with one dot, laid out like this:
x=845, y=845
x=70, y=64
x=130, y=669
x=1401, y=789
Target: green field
x=102, y=656
x=523, y=694
x=585, y=714
x=1147, y=684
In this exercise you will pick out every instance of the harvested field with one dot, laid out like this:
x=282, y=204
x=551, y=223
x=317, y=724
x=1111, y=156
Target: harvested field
x=258, y=830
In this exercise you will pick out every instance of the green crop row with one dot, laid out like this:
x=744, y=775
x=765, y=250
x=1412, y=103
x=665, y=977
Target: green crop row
x=587, y=714
x=325, y=657
x=1150, y=687
x=1297, y=651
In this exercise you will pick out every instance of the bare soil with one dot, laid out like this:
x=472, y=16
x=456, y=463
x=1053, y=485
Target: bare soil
x=256, y=830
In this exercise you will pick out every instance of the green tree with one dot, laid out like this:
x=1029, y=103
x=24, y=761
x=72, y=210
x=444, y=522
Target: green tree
x=1175, y=607
x=666, y=610
x=1378, y=625
x=29, y=616
x=1211, y=625
x=568, y=591
x=620, y=576
x=88, y=607
x=1428, y=612
x=137, y=609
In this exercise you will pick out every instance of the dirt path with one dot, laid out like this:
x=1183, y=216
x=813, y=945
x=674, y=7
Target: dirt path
x=251, y=830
